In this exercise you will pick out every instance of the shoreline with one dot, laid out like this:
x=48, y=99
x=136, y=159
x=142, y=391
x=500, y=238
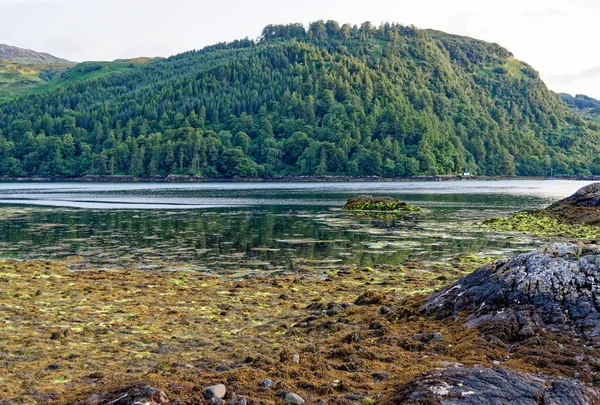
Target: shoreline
x=307, y=179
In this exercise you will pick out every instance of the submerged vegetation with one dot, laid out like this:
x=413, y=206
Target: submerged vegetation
x=332, y=99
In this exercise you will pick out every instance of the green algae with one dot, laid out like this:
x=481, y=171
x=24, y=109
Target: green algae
x=380, y=207
x=544, y=224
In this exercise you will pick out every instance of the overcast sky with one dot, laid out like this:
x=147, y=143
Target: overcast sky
x=559, y=38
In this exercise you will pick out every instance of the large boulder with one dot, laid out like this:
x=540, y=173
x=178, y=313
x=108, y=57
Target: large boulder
x=556, y=287
x=588, y=196
x=583, y=207
x=485, y=386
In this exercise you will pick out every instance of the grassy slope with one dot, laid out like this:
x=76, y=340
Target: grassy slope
x=17, y=79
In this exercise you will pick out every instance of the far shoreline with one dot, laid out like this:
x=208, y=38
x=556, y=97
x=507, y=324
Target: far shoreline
x=279, y=179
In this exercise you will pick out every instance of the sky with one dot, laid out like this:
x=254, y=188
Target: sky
x=557, y=37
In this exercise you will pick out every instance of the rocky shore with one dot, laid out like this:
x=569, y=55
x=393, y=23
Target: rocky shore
x=575, y=217
x=524, y=327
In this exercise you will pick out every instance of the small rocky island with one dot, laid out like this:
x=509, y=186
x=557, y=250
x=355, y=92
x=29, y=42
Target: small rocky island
x=369, y=205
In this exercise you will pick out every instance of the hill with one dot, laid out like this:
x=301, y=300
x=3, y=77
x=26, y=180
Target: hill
x=27, y=56
x=389, y=100
x=585, y=106
x=24, y=69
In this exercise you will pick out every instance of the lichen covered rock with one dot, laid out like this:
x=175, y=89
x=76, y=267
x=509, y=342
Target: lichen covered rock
x=483, y=386
x=556, y=287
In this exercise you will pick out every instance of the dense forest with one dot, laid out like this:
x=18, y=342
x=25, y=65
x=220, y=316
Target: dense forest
x=361, y=100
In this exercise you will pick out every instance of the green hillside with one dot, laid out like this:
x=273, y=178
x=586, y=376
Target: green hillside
x=585, y=106
x=21, y=79
x=27, y=56
x=331, y=100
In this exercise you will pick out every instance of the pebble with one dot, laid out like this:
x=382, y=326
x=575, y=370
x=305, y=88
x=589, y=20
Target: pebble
x=216, y=391
x=216, y=401
x=293, y=399
x=296, y=358
x=266, y=382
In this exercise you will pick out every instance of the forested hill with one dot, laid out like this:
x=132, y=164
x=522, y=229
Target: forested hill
x=331, y=100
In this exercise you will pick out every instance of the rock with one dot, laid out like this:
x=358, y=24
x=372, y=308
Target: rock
x=588, y=196
x=216, y=401
x=370, y=203
x=296, y=358
x=485, y=386
x=293, y=399
x=266, y=383
x=429, y=337
x=582, y=207
x=385, y=311
x=556, y=287
x=215, y=391
x=135, y=394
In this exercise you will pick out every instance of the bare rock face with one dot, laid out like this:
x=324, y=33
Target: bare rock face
x=556, y=287
x=135, y=394
x=485, y=386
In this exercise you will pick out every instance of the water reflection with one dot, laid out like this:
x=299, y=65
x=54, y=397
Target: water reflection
x=249, y=228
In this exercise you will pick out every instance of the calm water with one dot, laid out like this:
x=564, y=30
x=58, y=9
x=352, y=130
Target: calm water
x=243, y=228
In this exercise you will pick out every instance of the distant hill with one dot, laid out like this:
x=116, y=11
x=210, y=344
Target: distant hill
x=23, y=71
x=27, y=56
x=587, y=107
x=332, y=99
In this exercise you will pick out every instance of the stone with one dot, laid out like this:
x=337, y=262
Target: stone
x=293, y=399
x=554, y=288
x=486, y=386
x=296, y=358
x=215, y=391
x=429, y=337
x=266, y=383
x=135, y=394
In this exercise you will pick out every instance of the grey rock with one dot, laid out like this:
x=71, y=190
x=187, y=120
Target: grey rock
x=216, y=401
x=238, y=400
x=485, y=386
x=139, y=393
x=429, y=337
x=293, y=399
x=296, y=358
x=215, y=391
x=556, y=287
x=266, y=383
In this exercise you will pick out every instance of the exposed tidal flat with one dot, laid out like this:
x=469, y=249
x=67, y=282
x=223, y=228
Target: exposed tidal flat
x=185, y=286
